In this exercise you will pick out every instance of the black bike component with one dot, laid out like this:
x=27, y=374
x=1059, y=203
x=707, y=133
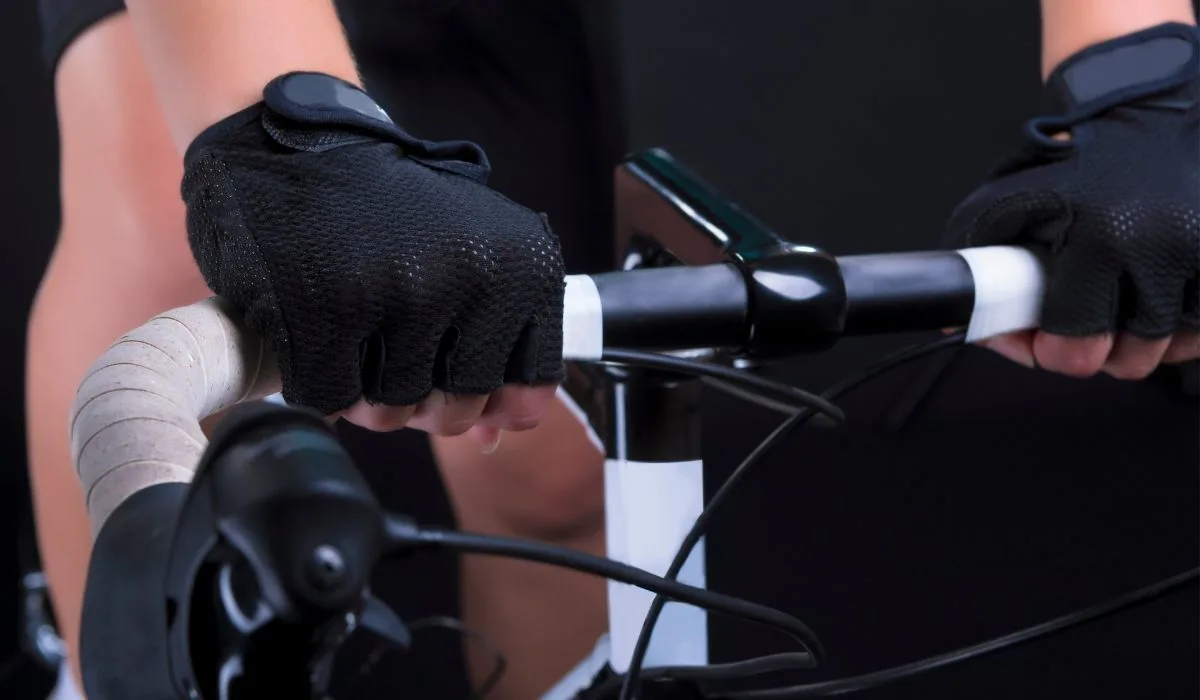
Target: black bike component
x=906, y=292
x=126, y=612
x=787, y=286
x=658, y=198
x=794, y=299
x=675, y=307
x=799, y=290
x=653, y=416
x=273, y=551
x=785, y=305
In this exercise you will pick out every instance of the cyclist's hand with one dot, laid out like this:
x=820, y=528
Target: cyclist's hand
x=1111, y=189
x=394, y=286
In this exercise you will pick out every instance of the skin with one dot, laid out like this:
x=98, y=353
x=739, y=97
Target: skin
x=132, y=93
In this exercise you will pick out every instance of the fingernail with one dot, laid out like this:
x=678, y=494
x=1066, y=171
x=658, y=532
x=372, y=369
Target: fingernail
x=491, y=445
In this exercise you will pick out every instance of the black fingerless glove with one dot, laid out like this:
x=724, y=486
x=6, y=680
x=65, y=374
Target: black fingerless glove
x=377, y=265
x=1118, y=204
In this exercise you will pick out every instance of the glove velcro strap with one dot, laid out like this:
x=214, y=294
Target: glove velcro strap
x=313, y=112
x=1126, y=69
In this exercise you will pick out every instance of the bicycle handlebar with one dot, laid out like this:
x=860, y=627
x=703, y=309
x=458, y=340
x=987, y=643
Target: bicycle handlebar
x=136, y=418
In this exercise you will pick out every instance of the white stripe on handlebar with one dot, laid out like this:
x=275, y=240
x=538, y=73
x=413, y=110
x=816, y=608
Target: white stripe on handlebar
x=1009, y=283
x=136, y=418
x=583, y=321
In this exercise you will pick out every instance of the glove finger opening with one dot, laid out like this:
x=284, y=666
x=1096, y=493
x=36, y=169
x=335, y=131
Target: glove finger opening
x=471, y=356
x=371, y=358
x=441, y=363
x=404, y=366
x=480, y=362
x=1072, y=310
x=536, y=358
x=1150, y=307
x=522, y=366
x=327, y=379
x=1191, y=305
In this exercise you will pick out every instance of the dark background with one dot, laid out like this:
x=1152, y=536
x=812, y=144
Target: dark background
x=854, y=126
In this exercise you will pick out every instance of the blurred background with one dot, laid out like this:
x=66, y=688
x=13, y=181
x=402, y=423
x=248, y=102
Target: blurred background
x=853, y=126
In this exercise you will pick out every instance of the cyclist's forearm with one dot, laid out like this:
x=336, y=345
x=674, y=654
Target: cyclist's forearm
x=1071, y=25
x=211, y=58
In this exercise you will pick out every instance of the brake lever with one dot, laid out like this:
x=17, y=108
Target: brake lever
x=278, y=537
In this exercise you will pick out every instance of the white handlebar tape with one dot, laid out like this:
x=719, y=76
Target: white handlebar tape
x=136, y=418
